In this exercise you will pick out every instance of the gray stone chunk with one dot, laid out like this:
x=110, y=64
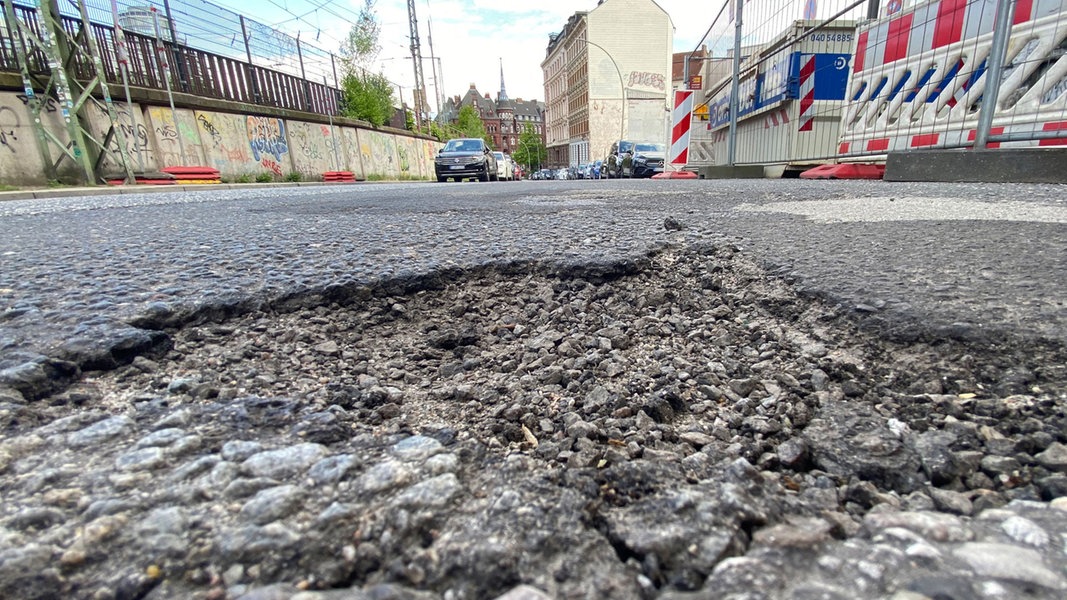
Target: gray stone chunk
x=332, y=468
x=271, y=504
x=1013, y=563
x=435, y=492
x=385, y=476
x=416, y=448
x=239, y=450
x=284, y=462
x=934, y=526
x=141, y=460
x=163, y=437
x=252, y=544
x=101, y=431
x=1054, y=458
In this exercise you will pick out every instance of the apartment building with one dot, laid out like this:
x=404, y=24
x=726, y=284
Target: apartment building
x=607, y=76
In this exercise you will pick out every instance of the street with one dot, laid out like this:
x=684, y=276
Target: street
x=962, y=259
x=548, y=389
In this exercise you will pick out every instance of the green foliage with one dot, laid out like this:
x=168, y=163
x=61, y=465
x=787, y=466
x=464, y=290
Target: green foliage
x=531, y=152
x=409, y=120
x=368, y=97
x=295, y=176
x=437, y=131
x=244, y=178
x=264, y=178
x=469, y=124
x=361, y=46
x=375, y=177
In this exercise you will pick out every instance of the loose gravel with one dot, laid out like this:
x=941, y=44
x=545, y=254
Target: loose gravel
x=683, y=424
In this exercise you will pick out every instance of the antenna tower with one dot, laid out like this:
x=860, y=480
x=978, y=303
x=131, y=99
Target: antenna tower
x=416, y=57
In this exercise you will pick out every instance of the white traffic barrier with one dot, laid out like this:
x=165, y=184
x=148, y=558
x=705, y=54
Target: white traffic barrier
x=681, y=119
x=919, y=75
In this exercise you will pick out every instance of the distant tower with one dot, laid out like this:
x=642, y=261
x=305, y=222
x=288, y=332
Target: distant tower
x=503, y=95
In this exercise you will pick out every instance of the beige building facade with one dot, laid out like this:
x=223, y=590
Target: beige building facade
x=607, y=77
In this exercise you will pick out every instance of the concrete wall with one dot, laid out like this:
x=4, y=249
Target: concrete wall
x=240, y=146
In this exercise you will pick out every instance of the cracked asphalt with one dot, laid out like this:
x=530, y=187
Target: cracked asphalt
x=957, y=260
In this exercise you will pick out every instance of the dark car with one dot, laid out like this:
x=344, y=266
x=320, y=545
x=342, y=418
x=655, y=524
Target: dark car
x=465, y=158
x=647, y=159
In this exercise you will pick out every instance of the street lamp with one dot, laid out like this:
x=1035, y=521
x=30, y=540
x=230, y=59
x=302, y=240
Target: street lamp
x=622, y=87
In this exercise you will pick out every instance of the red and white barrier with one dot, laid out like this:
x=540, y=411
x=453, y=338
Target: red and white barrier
x=919, y=76
x=807, y=93
x=681, y=118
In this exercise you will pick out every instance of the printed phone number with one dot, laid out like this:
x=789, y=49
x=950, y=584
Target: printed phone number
x=831, y=37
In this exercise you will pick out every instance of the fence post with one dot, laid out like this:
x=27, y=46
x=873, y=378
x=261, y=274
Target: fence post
x=179, y=58
x=735, y=104
x=991, y=94
x=251, y=69
x=303, y=75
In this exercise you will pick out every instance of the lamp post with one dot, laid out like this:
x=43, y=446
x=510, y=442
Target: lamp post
x=622, y=87
x=525, y=143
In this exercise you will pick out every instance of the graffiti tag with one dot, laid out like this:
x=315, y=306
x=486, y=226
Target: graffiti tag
x=216, y=136
x=49, y=103
x=10, y=124
x=646, y=79
x=167, y=132
x=266, y=136
x=273, y=166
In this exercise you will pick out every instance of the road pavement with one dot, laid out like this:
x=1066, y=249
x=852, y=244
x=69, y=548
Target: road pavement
x=957, y=260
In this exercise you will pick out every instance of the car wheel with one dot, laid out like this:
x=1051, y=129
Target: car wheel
x=484, y=176
x=441, y=179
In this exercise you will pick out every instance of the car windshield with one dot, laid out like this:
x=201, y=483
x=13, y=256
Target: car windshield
x=463, y=146
x=625, y=146
x=650, y=148
x=499, y=155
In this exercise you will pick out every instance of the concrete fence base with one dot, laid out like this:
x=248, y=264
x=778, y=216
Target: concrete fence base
x=1003, y=165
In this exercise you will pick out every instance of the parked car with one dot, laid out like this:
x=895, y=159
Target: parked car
x=505, y=171
x=647, y=159
x=617, y=163
x=465, y=158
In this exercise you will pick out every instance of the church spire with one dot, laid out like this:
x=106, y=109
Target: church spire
x=503, y=95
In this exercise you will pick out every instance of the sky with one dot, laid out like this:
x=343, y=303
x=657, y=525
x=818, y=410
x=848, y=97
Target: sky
x=472, y=37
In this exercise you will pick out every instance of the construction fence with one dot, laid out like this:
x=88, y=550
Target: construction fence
x=846, y=79
x=213, y=52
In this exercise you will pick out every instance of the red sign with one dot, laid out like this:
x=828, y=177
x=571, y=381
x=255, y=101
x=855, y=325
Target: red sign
x=696, y=81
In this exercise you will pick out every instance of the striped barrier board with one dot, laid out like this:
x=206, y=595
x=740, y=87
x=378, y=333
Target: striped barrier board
x=919, y=77
x=681, y=119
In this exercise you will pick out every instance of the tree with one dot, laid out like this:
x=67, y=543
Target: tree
x=469, y=124
x=368, y=97
x=361, y=46
x=531, y=152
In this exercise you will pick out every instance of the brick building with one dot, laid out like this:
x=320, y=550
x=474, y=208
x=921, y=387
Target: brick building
x=504, y=118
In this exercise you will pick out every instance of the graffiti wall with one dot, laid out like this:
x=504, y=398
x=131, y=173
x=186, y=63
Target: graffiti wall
x=20, y=158
x=132, y=136
x=177, y=140
x=350, y=151
x=314, y=149
x=241, y=147
x=225, y=140
x=379, y=155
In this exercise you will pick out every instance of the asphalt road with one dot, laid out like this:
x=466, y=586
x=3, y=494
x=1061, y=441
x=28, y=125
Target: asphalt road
x=961, y=260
